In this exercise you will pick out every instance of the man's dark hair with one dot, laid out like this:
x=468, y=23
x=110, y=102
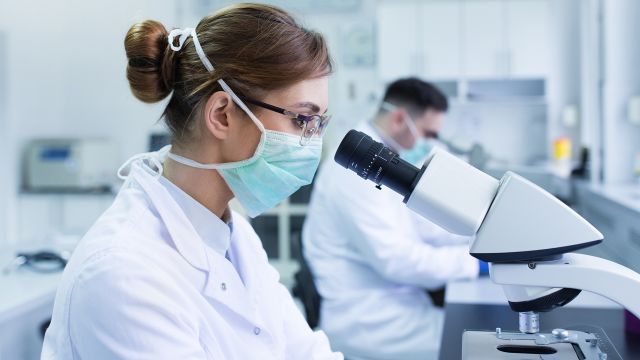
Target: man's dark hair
x=415, y=95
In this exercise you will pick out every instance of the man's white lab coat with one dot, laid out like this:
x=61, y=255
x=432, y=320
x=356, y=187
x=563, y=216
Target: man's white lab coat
x=372, y=259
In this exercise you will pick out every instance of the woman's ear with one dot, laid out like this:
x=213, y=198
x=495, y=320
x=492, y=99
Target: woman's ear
x=217, y=112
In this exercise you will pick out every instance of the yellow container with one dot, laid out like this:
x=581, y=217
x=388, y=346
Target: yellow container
x=562, y=148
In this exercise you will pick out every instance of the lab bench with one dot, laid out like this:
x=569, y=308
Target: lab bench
x=26, y=302
x=627, y=195
x=481, y=305
x=615, y=211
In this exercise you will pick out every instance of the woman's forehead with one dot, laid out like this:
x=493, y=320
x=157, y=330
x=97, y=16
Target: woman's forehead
x=310, y=94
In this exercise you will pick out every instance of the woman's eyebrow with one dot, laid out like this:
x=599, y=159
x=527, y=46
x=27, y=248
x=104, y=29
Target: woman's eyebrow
x=309, y=105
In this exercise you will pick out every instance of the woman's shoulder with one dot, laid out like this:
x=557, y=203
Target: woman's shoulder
x=127, y=236
x=107, y=279
x=113, y=283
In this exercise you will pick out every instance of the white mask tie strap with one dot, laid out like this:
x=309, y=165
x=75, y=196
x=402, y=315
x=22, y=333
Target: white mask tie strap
x=410, y=124
x=155, y=158
x=183, y=34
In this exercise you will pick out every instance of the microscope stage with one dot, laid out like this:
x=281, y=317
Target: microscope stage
x=579, y=343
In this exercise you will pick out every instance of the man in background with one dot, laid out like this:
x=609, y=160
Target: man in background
x=372, y=258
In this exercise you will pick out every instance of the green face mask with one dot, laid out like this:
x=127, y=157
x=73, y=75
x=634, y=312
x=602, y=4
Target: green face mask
x=418, y=152
x=421, y=147
x=278, y=169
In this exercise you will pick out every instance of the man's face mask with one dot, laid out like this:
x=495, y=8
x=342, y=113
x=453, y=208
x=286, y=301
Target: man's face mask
x=422, y=146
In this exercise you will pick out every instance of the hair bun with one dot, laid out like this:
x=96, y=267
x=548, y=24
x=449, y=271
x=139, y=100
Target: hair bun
x=150, y=61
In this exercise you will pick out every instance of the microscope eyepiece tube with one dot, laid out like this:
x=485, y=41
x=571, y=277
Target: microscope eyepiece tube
x=446, y=190
x=373, y=161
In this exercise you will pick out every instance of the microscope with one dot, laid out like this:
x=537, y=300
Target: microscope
x=526, y=235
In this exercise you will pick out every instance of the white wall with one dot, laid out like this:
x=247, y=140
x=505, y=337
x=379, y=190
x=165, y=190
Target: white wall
x=66, y=67
x=67, y=78
x=564, y=72
x=621, y=82
x=591, y=89
x=513, y=134
x=4, y=179
x=353, y=90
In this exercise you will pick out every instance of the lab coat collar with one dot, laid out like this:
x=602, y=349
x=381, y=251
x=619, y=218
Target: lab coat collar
x=215, y=232
x=223, y=284
x=178, y=225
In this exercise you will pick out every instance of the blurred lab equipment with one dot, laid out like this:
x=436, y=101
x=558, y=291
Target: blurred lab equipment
x=38, y=261
x=524, y=232
x=476, y=155
x=70, y=165
x=159, y=140
x=636, y=169
x=562, y=156
x=633, y=110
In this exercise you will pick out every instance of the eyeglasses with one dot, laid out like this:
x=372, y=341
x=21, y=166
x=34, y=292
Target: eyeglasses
x=311, y=125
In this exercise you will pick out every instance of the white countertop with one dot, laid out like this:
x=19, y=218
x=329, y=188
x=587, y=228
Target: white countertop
x=484, y=291
x=24, y=289
x=627, y=195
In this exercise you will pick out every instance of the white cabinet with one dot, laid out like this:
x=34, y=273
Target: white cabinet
x=42, y=217
x=440, y=27
x=528, y=38
x=483, y=40
x=419, y=38
x=506, y=38
x=397, y=40
x=440, y=39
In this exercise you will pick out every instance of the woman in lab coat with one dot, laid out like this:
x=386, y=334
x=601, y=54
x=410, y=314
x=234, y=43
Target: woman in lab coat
x=168, y=271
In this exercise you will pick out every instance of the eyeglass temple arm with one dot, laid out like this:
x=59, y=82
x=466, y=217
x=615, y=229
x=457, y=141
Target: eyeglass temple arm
x=266, y=106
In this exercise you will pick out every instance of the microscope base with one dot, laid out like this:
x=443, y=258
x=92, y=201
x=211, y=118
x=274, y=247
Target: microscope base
x=581, y=342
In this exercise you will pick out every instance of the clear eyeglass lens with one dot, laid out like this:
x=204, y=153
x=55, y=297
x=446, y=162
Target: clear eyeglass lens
x=313, y=127
x=324, y=121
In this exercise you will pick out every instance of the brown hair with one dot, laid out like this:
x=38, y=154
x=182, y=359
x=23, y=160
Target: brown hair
x=253, y=47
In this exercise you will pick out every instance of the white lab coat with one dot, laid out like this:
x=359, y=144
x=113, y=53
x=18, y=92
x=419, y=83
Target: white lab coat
x=144, y=284
x=372, y=259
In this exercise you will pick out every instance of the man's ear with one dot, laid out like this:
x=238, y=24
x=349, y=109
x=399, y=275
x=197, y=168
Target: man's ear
x=217, y=112
x=397, y=119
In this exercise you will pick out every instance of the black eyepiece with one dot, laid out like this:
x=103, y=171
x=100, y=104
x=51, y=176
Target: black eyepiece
x=373, y=161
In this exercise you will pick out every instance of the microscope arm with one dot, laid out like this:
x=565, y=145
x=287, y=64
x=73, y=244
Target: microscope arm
x=574, y=271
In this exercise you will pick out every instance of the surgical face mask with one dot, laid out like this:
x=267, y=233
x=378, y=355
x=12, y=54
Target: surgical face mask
x=279, y=166
x=277, y=170
x=417, y=154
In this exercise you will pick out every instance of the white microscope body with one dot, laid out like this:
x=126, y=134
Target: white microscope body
x=526, y=234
